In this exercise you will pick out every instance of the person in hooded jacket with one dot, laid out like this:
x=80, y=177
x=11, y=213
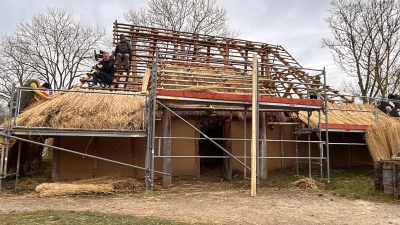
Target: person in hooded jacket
x=123, y=51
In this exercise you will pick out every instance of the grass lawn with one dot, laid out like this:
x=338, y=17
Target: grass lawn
x=74, y=217
x=351, y=183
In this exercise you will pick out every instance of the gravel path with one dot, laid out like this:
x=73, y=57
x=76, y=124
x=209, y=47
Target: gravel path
x=221, y=205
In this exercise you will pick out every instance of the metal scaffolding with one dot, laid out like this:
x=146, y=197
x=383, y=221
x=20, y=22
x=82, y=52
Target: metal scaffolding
x=171, y=102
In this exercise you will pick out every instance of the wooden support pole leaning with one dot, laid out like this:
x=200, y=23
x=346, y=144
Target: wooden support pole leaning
x=254, y=127
x=167, y=166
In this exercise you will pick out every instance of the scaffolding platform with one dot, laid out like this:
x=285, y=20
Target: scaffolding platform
x=271, y=102
x=23, y=131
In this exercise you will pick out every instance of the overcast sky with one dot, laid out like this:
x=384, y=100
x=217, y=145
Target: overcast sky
x=297, y=25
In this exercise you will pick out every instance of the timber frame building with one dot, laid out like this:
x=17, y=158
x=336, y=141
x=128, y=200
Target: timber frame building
x=196, y=81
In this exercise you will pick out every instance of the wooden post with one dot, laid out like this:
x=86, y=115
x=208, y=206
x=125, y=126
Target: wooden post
x=167, y=166
x=95, y=162
x=263, y=147
x=134, y=158
x=55, y=174
x=196, y=150
x=282, y=150
x=254, y=127
x=227, y=163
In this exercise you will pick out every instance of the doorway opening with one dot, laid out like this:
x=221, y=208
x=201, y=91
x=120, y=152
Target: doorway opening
x=212, y=165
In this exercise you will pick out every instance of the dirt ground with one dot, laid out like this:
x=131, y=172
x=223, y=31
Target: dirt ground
x=220, y=203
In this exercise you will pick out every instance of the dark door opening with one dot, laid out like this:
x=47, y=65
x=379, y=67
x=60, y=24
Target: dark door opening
x=212, y=129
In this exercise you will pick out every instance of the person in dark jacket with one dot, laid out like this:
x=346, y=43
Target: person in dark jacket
x=123, y=51
x=105, y=71
x=395, y=99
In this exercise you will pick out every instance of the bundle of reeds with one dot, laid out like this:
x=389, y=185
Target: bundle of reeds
x=87, y=110
x=105, y=184
x=383, y=140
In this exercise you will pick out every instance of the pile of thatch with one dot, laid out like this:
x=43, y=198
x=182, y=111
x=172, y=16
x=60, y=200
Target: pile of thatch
x=306, y=183
x=101, y=185
x=87, y=110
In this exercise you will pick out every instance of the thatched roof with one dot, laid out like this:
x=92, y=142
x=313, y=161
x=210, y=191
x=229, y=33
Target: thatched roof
x=382, y=139
x=87, y=110
x=346, y=115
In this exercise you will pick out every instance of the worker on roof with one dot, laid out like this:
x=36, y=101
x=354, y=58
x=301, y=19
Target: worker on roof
x=27, y=96
x=43, y=89
x=314, y=87
x=123, y=51
x=105, y=71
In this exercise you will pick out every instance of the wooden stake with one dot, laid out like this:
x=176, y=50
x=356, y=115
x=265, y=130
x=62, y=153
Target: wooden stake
x=254, y=127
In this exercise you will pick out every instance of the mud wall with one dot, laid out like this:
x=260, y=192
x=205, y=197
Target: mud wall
x=126, y=150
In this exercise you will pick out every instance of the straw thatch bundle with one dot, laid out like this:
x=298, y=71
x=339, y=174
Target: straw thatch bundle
x=383, y=140
x=57, y=189
x=87, y=110
x=306, y=183
x=104, y=185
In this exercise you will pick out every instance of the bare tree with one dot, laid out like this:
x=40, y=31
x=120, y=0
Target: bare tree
x=366, y=43
x=53, y=47
x=195, y=16
x=13, y=72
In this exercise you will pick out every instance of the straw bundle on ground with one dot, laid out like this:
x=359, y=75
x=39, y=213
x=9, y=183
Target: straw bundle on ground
x=106, y=184
x=306, y=183
x=57, y=189
x=87, y=110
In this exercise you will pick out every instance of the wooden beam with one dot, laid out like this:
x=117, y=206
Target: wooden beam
x=227, y=163
x=55, y=174
x=287, y=90
x=134, y=157
x=146, y=79
x=196, y=149
x=167, y=162
x=95, y=162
